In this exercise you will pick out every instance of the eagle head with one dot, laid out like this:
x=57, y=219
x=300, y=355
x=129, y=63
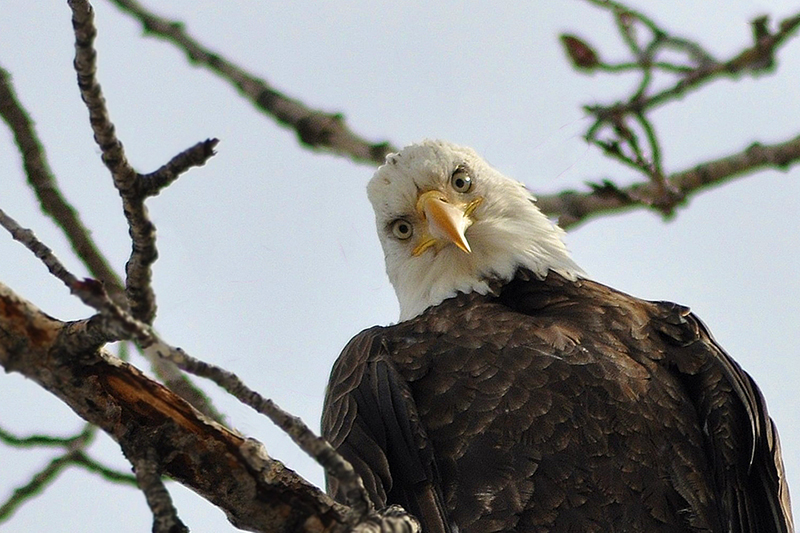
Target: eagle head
x=448, y=223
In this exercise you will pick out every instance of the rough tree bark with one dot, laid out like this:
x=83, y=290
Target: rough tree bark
x=236, y=474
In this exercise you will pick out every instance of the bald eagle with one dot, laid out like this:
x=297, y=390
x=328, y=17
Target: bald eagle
x=516, y=394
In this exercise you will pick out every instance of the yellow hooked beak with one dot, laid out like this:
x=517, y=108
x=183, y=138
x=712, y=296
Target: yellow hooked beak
x=446, y=221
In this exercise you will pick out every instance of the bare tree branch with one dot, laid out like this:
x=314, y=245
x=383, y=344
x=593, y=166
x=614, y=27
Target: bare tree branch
x=138, y=281
x=54, y=204
x=663, y=195
x=316, y=447
x=757, y=59
x=256, y=492
x=617, y=128
x=51, y=199
x=314, y=128
x=115, y=323
x=24, y=328
x=132, y=190
x=86, y=290
x=574, y=207
x=700, y=68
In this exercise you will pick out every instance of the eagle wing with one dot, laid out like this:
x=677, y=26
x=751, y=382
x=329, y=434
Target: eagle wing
x=742, y=440
x=739, y=438
x=371, y=419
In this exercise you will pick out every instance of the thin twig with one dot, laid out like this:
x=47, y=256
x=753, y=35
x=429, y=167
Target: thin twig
x=113, y=323
x=195, y=156
x=314, y=128
x=657, y=65
x=46, y=441
x=624, y=20
x=316, y=447
x=35, y=486
x=138, y=281
x=623, y=142
x=667, y=197
x=87, y=290
x=106, y=472
x=574, y=207
x=75, y=456
x=47, y=190
x=74, y=448
x=165, y=516
x=757, y=58
x=619, y=8
x=657, y=172
x=55, y=205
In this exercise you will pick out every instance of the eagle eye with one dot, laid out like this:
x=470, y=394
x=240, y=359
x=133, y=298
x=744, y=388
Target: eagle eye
x=402, y=229
x=461, y=180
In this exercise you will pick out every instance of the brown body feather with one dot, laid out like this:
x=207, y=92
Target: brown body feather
x=557, y=405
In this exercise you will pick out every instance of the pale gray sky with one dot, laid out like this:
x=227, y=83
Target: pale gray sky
x=269, y=261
